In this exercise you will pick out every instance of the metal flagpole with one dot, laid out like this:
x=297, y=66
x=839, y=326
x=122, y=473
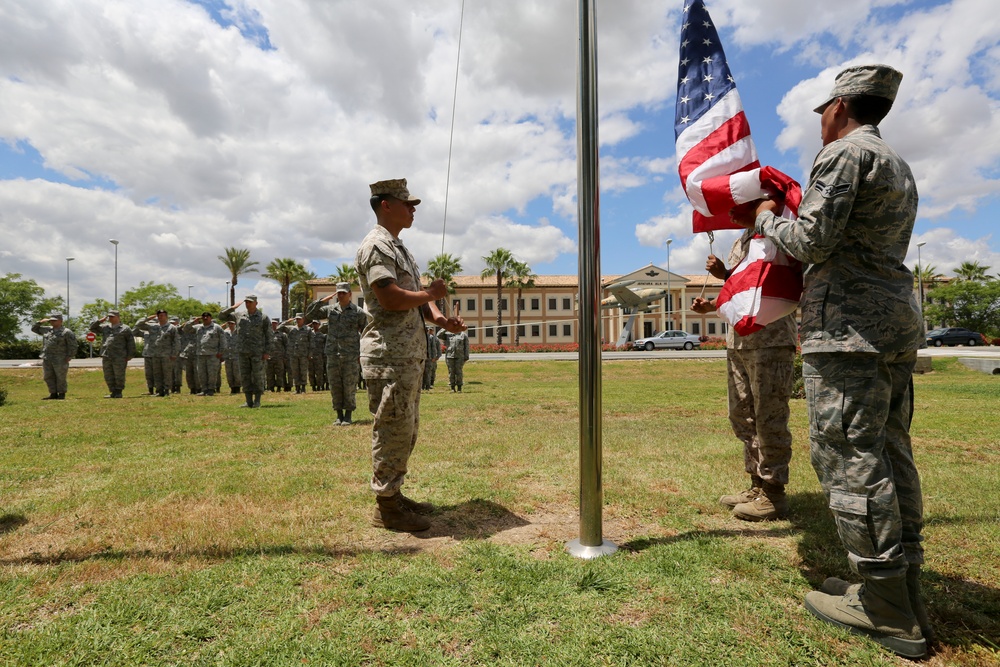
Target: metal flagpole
x=591, y=543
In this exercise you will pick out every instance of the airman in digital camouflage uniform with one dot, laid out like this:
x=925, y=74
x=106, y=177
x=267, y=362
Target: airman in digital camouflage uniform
x=344, y=324
x=860, y=332
x=455, y=355
x=253, y=331
x=317, y=357
x=277, y=369
x=211, y=345
x=299, y=344
x=164, y=344
x=394, y=348
x=189, y=356
x=232, y=359
x=433, y=354
x=58, y=347
x=760, y=369
x=147, y=364
x=117, y=349
x=179, y=361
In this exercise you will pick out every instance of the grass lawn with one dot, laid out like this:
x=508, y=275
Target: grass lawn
x=150, y=531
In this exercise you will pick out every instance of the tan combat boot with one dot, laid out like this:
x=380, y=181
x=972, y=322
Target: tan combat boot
x=880, y=609
x=835, y=586
x=769, y=505
x=391, y=514
x=735, y=499
x=413, y=506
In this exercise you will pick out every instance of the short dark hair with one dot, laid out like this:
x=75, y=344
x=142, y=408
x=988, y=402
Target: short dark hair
x=376, y=201
x=867, y=109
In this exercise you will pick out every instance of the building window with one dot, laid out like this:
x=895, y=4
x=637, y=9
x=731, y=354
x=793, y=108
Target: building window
x=489, y=332
x=503, y=304
x=470, y=305
x=696, y=327
x=711, y=328
x=472, y=332
x=567, y=305
x=536, y=304
x=536, y=331
x=567, y=330
x=552, y=304
x=503, y=332
x=520, y=330
x=487, y=304
x=361, y=302
x=552, y=330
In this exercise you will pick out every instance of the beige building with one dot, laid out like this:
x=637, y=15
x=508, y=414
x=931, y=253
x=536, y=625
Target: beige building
x=549, y=310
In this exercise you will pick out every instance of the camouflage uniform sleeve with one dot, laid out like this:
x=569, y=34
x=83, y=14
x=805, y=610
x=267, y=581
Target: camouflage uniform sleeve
x=268, y=334
x=37, y=328
x=142, y=325
x=314, y=311
x=465, y=347
x=95, y=327
x=130, y=349
x=227, y=314
x=825, y=208
x=175, y=345
x=375, y=263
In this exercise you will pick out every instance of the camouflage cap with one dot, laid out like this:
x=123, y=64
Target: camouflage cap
x=875, y=80
x=55, y=316
x=114, y=313
x=206, y=314
x=343, y=287
x=250, y=297
x=300, y=316
x=175, y=319
x=394, y=188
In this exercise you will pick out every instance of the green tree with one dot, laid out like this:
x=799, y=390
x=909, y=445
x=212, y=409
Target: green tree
x=498, y=263
x=346, y=273
x=286, y=271
x=972, y=271
x=301, y=293
x=967, y=303
x=22, y=303
x=146, y=299
x=96, y=310
x=237, y=260
x=521, y=279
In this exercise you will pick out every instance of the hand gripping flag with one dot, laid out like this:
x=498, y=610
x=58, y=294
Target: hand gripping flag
x=718, y=166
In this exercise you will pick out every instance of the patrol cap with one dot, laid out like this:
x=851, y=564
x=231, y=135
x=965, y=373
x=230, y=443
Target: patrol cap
x=55, y=316
x=299, y=316
x=395, y=188
x=343, y=287
x=175, y=319
x=206, y=314
x=316, y=323
x=250, y=297
x=875, y=80
x=161, y=311
x=275, y=320
x=114, y=313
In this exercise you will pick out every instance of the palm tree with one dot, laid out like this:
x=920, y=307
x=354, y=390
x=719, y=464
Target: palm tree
x=498, y=263
x=286, y=271
x=237, y=260
x=972, y=271
x=346, y=273
x=444, y=267
x=521, y=278
x=302, y=293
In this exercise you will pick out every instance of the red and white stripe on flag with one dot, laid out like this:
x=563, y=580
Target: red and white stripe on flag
x=763, y=288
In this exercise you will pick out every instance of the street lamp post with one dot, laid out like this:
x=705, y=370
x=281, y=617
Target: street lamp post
x=920, y=281
x=114, y=242
x=68, y=311
x=189, y=291
x=226, y=299
x=669, y=323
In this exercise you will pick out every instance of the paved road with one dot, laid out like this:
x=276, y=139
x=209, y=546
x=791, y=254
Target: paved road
x=992, y=352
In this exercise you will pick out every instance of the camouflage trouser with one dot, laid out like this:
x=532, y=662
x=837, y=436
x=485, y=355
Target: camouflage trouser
x=114, y=373
x=190, y=365
x=208, y=372
x=178, y=373
x=455, y=366
x=317, y=370
x=760, y=385
x=54, y=372
x=163, y=373
x=430, y=373
x=252, y=373
x=299, y=370
x=147, y=368
x=394, y=401
x=342, y=373
x=233, y=372
x=277, y=375
x=860, y=407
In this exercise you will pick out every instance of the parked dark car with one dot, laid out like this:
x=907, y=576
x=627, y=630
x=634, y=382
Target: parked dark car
x=954, y=336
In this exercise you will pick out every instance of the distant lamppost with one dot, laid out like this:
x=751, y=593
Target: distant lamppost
x=68, y=312
x=189, y=291
x=114, y=242
x=920, y=281
x=669, y=324
x=226, y=300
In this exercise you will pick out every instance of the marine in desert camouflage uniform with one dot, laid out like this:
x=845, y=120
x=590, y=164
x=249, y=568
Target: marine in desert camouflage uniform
x=394, y=348
x=861, y=329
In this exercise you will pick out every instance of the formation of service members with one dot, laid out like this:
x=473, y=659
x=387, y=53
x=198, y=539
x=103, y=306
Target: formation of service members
x=455, y=355
x=317, y=358
x=162, y=348
x=232, y=359
x=277, y=367
x=861, y=328
x=117, y=349
x=433, y=354
x=211, y=345
x=58, y=347
x=299, y=346
x=254, y=337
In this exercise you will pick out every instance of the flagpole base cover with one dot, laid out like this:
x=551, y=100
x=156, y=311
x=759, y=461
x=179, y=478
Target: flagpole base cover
x=578, y=550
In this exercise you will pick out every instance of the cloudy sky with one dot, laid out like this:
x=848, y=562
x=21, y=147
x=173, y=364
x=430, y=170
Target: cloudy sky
x=180, y=127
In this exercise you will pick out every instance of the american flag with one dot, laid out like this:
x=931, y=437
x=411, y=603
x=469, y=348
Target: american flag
x=716, y=156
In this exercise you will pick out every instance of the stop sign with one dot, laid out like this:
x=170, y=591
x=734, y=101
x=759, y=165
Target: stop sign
x=91, y=336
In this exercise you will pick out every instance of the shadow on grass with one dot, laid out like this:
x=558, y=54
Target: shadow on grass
x=11, y=522
x=472, y=520
x=643, y=543
x=964, y=613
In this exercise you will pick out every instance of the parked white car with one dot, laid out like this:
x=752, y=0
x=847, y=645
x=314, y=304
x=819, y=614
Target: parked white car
x=671, y=339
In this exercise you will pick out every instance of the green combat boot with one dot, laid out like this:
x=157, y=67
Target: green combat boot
x=735, y=499
x=391, y=514
x=770, y=504
x=835, y=586
x=880, y=609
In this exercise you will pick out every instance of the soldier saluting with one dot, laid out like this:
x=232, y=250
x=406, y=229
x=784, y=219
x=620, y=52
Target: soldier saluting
x=58, y=347
x=117, y=349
